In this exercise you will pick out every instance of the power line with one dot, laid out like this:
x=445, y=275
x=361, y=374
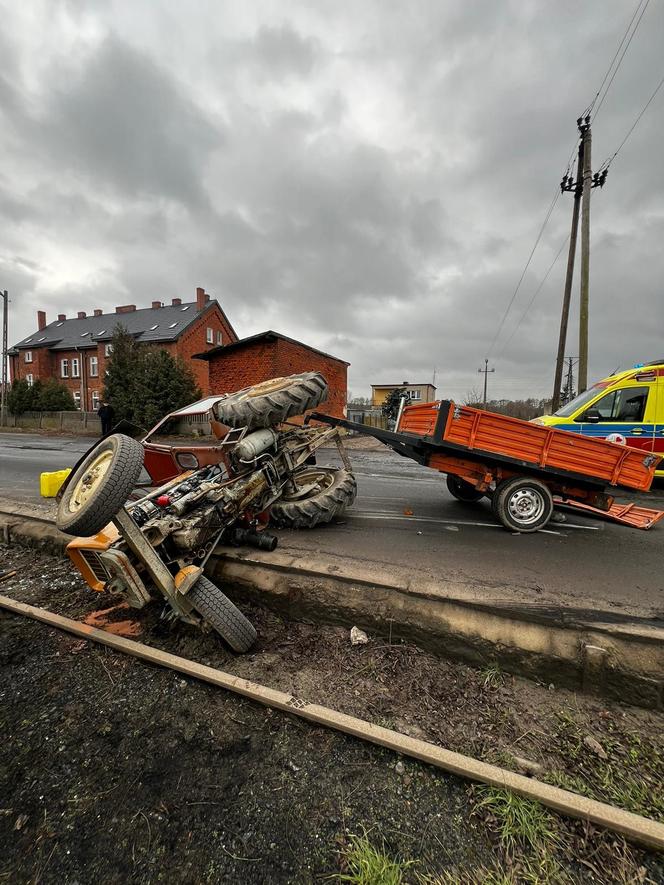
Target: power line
x=535, y=294
x=607, y=163
x=615, y=56
x=523, y=272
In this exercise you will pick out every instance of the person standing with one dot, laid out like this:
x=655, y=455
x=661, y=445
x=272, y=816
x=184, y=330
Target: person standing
x=106, y=415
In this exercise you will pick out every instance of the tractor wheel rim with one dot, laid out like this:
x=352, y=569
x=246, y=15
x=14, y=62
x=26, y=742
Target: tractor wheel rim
x=526, y=506
x=321, y=481
x=268, y=387
x=88, y=484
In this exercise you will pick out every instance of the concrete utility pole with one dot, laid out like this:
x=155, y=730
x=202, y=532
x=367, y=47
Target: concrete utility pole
x=586, y=137
x=3, y=394
x=577, y=187
x=485, y=371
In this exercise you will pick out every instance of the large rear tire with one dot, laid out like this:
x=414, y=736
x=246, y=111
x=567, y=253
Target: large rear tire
x=522, y=504
x=331, y=491
x=462, y=490
x=100, y=486
x=217, y=609
x=272, y=402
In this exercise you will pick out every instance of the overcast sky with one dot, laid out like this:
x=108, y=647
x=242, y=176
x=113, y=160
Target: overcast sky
x=369, y=177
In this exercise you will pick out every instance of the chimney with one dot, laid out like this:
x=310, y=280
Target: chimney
x=81, y=314
x=176, y=302
x=125, y=308
x=200, y=298
x=62, y=317
x=41, y=319
x=156, y=304
x=97, y=312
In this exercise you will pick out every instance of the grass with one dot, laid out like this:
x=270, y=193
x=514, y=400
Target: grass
x=630, y=777
x=368, y=865
x=528, y=836
x=493, y=677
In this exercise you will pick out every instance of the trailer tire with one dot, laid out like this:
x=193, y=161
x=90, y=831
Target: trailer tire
x=100, y=486
x=272, y=402
x=463, y=491
x=217, y=609
x=335, y=489
x=522, y=504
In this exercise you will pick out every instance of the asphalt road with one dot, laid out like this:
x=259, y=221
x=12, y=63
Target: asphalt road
x=404, y=515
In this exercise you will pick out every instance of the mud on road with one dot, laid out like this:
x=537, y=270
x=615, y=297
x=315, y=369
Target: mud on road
x=115, y=771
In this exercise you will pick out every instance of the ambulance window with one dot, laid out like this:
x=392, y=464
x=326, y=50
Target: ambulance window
x=627, y=404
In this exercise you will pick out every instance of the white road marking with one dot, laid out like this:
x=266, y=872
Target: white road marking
x=386, y=514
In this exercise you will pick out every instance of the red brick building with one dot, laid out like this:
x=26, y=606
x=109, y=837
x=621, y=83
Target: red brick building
x=272, y=355
x=74, y=351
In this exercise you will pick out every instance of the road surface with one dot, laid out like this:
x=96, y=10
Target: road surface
x=404, y=515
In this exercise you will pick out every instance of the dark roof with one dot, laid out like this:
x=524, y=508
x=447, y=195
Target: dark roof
x=262, y=336
x=407, y=384
x=170, y=320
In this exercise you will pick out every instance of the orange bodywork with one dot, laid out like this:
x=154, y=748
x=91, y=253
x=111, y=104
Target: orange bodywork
x=532, y=445
x=83, y=553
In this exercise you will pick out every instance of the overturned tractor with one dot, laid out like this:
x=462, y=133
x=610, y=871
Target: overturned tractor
x=144, y=541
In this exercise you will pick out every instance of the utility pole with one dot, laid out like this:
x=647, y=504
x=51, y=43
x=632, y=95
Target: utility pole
x=568, y=391
x=586, y=137
x=581, y=188
x=485, y=371
x=577, y=187
x=3, y=394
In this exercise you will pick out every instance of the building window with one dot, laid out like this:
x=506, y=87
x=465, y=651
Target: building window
x=77, y=398
x=414, y=394
x=95, y=400
x=219, y=338
x=75, y=368
x=64, y=368
x=30, y=380
x=94, y=366
x=108, y=349
x=210, y=336
x=28, y=356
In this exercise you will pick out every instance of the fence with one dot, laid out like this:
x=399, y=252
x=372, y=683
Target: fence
x=73, y=422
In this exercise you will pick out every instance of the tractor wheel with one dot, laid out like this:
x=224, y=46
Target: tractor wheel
x=217, y=609
x=100, y=486
x=322, y=493
x=522, y=504
x=462, y=490
x=272, y=402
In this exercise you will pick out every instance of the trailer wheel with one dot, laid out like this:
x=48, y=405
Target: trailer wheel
x=217, y=609
x=100, y=486
x=522, y=504
x=462, y=490
x=321, y=494
x=272, y=402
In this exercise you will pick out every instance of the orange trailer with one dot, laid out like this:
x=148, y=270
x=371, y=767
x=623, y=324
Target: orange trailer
x=520, y=465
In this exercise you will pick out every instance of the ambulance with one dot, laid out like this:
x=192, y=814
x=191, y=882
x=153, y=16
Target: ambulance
x=627, y=404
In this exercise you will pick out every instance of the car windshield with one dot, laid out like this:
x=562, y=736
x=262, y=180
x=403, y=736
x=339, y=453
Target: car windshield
x=581, y=400
x=193, y=429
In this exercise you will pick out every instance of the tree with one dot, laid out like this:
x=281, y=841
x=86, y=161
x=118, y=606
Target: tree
x=392, y=404
x=121, y=376
x=165, y=384
x=41, y=397
x=56, y=397
x=144, y=384
x=20, y=397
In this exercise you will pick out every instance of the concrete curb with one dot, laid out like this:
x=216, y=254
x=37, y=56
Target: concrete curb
x=33, y=531
x=623, y=661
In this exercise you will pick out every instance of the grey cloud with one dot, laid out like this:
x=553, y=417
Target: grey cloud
x=123, y=122
x=283, y=51
x=375, y=187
